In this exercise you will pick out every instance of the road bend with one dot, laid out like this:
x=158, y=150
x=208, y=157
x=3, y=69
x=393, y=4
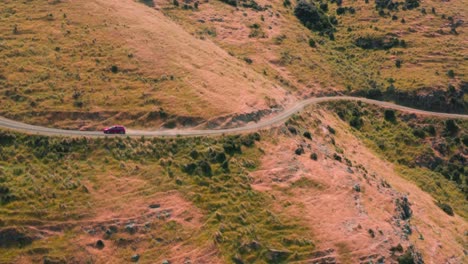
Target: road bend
x=250, y=127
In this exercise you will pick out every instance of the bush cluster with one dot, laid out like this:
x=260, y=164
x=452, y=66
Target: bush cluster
x=315, y=18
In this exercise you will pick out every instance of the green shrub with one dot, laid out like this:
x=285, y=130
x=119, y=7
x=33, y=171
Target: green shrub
x=446, y=208
x=337, y=157
x=451, y=73
x=356, y=122
x=406, y=258
x=389, y=115
x=451, y=127
x=149, y=3
x=378, y=42
x=340, y=10
x=114, y=69
x=312, y=43
x=324, y=7
x=312, y=17
x=417, y=132
x=465, y=140
x=411, y=4
x=313, y=156
x=374, y=93
x=398, y=63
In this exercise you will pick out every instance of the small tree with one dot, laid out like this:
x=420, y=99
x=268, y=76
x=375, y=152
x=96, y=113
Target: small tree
x=451, y=127
x=390, y=115
x=398, y=63
x=312, y=43
x=451, y=73
x=114, y=69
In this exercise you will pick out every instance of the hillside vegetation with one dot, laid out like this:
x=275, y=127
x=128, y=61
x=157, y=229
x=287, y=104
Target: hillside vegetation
x=305, y=191
x=85, y=64
x=412, y=52
x=340, y=182
x=429, y=151
x=110, y=199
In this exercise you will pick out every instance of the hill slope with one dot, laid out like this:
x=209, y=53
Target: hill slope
x=281, y=195
x=83, y=63
x=412, y=52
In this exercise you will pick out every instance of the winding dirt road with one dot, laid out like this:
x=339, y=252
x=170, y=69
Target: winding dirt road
x=278, y=119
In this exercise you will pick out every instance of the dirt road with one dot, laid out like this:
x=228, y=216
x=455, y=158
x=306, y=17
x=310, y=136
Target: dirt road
x=278, y=119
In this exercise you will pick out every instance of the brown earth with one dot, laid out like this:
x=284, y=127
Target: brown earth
x=215, y=82
x=127, y=214
x=322, y=193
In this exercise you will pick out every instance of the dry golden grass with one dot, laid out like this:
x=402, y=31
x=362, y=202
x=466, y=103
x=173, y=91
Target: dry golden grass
x=57, y=66
x=340, y=65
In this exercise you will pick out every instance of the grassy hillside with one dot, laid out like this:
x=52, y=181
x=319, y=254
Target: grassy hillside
x=90, y=63
x=400, y=51
x=161, y=199
x=306, y=191
x=429, y=151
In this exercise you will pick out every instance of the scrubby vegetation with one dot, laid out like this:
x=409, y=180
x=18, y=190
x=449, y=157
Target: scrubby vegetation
x=428, y=151
x=383, y=49
x=54, y=180
x=314, y=18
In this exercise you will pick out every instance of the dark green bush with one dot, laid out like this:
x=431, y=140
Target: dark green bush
x=374, y=93
x=417, y=132
x=337, y=157
x=340, y=10
x=324, y=7
x=451, y=126
x=465, y=140
x=398, y=63
x=313, y=156
x=114, y=69
x=312, y=17
x=451, y=73
x=378, y=42
x=149, y=3
x=406, y=258
x=411, y=4
x=446, y=208
x=312, y=43
x=389, y=115
x=356, y=122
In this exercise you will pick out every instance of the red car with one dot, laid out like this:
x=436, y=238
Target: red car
x=114, y=130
